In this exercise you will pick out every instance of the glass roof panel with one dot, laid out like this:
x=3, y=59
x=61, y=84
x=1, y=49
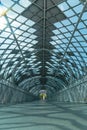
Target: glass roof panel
x=78, y=8
x=74, y=19
x=73, y=3
x=69, y=13
x=12, y=14
x=30, y=23
x=25, y=3
x=18, y=8
x=63, y=6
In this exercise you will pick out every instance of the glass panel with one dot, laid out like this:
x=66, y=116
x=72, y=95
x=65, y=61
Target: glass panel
x=73, y=3
x=18, y=8
x=74, y=19
x=69, y=13
x=63, y=6
x=30, y=23
x=78, y=9
x=21, y=19
x=25, y=3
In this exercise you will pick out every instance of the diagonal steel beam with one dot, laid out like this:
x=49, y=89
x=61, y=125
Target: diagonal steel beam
x=85, y=4
x=16, y=41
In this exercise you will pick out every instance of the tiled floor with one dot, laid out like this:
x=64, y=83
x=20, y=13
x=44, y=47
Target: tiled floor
x=43, y=116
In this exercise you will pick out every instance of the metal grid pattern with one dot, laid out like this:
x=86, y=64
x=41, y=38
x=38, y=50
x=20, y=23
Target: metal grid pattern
x=43, y=39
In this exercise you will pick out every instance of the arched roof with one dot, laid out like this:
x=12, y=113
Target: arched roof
x=43, y=40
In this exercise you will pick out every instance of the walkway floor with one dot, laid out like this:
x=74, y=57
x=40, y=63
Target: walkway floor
x=43, y=116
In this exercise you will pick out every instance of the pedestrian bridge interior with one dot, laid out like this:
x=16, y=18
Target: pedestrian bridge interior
x=43, y=47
